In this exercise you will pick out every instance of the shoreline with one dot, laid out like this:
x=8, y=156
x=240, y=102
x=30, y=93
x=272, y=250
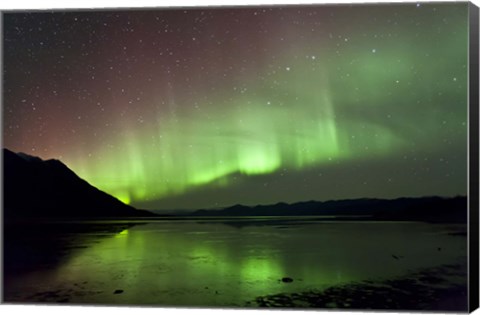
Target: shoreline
x=428, y=289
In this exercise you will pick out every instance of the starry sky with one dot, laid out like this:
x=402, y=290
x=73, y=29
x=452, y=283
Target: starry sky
x=204, y=108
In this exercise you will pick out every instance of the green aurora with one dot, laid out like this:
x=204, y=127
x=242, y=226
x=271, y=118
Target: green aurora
x=285, y=99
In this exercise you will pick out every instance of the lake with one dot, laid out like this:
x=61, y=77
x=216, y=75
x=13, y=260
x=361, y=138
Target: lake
x=248, y=262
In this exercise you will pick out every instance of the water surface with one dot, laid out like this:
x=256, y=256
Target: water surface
x=223, y=262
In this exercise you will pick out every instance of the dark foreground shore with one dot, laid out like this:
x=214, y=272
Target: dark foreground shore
x=430, y=289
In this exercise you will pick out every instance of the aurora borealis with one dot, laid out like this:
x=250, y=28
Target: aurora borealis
x=200, y=108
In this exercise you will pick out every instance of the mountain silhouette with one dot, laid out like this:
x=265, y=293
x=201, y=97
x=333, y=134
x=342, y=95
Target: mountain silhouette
x=34, y=188
x=432, y=209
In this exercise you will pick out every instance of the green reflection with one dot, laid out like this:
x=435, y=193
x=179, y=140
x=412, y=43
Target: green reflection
x=215, y=264
x=261, y=270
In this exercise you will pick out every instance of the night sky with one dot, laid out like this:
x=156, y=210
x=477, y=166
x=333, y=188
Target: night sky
x=202, y=108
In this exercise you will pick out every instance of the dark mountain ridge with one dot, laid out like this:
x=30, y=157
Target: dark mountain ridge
x=432, y=209
x=34, y=188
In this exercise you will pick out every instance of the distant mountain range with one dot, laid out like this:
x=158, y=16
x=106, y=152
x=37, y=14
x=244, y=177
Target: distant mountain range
x=34, y=188
x=431, y=209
